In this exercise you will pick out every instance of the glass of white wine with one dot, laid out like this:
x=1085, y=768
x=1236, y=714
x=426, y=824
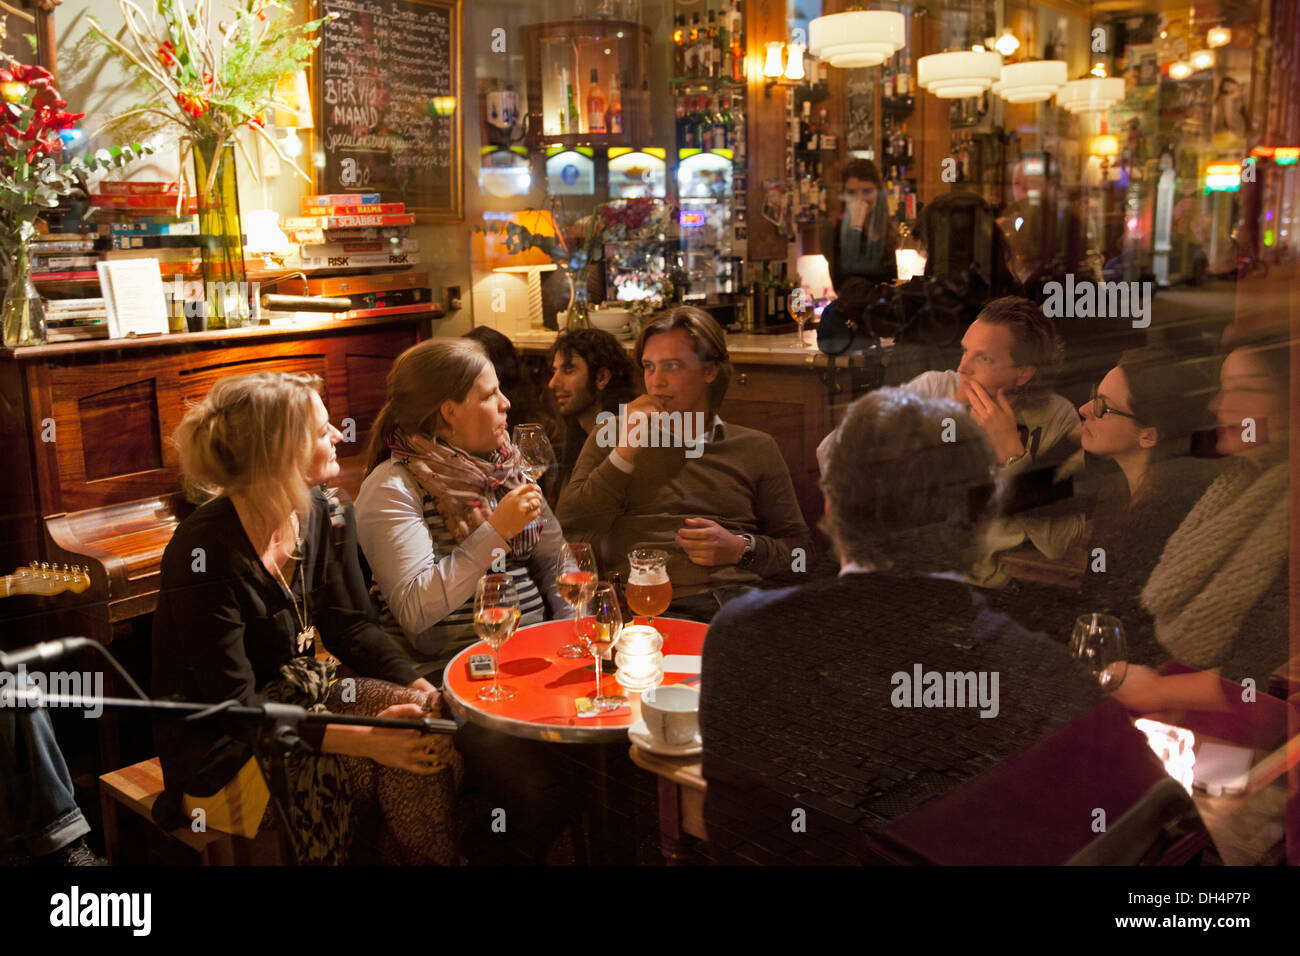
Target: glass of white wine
x=575, y=579
x=535, y=450
x=801, y=307
x=1098, y=643
x=496, y=615
x=604, y=624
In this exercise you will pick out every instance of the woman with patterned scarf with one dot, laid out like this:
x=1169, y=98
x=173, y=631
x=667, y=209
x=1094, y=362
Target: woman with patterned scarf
x=1219, y=592
x=444, y=499
x=444, y=502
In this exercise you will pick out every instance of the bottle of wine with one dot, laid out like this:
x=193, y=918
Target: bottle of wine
x=735, y=30
x=711, y=46
x=574, y=121
x=614, y=117
x=695, y=49
x=679, y=40
x=595, y=105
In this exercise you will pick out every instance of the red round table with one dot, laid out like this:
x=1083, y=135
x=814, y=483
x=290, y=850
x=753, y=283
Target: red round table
x=546, y=684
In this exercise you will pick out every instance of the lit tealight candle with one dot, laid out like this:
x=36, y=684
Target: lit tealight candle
x=639, y=658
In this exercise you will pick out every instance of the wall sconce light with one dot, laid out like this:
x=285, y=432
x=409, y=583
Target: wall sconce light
x=1218, y=36
x=1006, y=43
x=291, y=108
x=1180, y=70
x=441, y=105
x=772, y=66
x=1202, y=60
x=794, y=63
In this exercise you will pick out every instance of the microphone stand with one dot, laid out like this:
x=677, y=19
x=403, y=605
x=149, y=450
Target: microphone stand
x=282, y=719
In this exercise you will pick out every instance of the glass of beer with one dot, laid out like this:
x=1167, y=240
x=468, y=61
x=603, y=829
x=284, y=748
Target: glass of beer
x=575, y=578
x=648, y=592
x=496, y=615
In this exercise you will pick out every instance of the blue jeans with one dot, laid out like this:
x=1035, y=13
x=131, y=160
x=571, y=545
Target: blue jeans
x=38, y=806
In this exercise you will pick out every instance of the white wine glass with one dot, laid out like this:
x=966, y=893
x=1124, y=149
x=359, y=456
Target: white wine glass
x=535, y=450
x=801, y=307
x=575, y=579
x=604, y=623
x=496, y=615
x=1098, y=643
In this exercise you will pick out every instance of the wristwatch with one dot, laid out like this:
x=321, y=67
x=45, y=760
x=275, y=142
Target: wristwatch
x=1015, y=458
x=747, y=557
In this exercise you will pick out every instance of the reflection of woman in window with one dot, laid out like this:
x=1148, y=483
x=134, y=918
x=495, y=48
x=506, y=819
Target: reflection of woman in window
x=1230, y=109
x=862, y=241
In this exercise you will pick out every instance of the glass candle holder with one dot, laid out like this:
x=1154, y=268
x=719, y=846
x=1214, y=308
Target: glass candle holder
x=639, y=658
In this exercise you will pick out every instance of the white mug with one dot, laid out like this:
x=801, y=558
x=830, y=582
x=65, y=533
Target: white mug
x=672, y=714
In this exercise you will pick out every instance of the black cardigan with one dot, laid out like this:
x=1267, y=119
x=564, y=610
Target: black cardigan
x=224, y=626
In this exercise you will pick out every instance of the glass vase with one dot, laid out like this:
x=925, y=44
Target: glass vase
x=23, y=313
x=225, y=283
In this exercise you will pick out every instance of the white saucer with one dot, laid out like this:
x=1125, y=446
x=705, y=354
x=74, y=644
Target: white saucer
x=639, y=734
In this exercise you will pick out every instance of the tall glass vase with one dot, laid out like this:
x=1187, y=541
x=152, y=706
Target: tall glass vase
x=22, y=312
x=225, y=283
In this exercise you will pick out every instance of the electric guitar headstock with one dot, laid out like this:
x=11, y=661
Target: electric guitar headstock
x=46, y=579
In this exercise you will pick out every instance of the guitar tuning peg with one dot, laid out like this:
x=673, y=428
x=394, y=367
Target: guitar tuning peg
x=45, y=565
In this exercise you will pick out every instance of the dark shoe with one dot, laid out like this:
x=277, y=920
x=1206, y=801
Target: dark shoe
x=74, y=854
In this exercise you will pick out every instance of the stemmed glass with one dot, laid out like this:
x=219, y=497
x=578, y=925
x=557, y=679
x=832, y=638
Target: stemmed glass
x=496, y=615
x=604, y=623
x=648, y=591
x=1098, y=642
x=801, y=306
x=575, y=579
x=535, y=449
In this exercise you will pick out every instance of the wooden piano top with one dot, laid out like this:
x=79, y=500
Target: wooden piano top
x=94, y=477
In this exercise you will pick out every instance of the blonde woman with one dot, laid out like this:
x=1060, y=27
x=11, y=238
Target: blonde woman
x=253, y=583
x=444, y=498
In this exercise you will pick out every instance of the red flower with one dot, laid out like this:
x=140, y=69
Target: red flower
x=167, y=53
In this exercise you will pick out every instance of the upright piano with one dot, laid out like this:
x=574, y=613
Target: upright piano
x=91, y=475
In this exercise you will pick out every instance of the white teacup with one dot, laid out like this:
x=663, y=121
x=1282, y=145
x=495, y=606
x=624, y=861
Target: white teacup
x=672, y=714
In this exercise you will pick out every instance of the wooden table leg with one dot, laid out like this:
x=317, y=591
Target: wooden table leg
x=670, y=830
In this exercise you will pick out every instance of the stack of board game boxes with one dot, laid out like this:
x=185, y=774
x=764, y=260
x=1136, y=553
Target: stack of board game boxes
x=354, y=232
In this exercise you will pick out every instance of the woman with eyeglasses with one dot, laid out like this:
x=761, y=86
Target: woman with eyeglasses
x=1139, y=418
x=1218, y=594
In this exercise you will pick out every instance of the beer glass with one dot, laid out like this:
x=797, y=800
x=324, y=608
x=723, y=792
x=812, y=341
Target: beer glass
x=575, y=578
x=496, y=615
x=1098, y=642
x=648, y=592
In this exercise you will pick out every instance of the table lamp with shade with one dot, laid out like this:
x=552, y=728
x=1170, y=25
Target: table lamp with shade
x=494, y=256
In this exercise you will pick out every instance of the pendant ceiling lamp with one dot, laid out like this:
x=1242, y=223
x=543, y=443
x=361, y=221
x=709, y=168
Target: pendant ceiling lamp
x=958, y=74
x=857, y=38
x=1091, y=94
x=1031, y=82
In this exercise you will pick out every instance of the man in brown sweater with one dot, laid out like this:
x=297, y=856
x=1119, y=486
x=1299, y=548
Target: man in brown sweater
x=670, y=474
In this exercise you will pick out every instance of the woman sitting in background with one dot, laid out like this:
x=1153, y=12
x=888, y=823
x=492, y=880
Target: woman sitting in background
x=1219, y=592
x=525, y=400
x=1141, y=418
x=445, y=498
x=252, y=583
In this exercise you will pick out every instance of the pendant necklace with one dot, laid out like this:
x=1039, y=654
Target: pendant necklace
x=308, y=634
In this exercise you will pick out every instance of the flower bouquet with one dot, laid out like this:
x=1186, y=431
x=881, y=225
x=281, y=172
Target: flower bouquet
x=208, y=86
x=33, y=178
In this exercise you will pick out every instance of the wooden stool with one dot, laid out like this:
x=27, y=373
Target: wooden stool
x=137, y=788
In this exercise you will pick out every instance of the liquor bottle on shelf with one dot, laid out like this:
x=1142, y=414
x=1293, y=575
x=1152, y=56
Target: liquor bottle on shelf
x=573, y=123
x=904, y=80
x=887, y=86
x=711, y=50
x=614, y=118
x=826, y=139
x=705, y=124
x=735, y=31
x=720, y=136
x=695, y=49
x=679, y=45
x=595, y=105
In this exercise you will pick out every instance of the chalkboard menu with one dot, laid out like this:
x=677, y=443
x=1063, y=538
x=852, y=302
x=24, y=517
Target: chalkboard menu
x=386, y=72
x=860, y=95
